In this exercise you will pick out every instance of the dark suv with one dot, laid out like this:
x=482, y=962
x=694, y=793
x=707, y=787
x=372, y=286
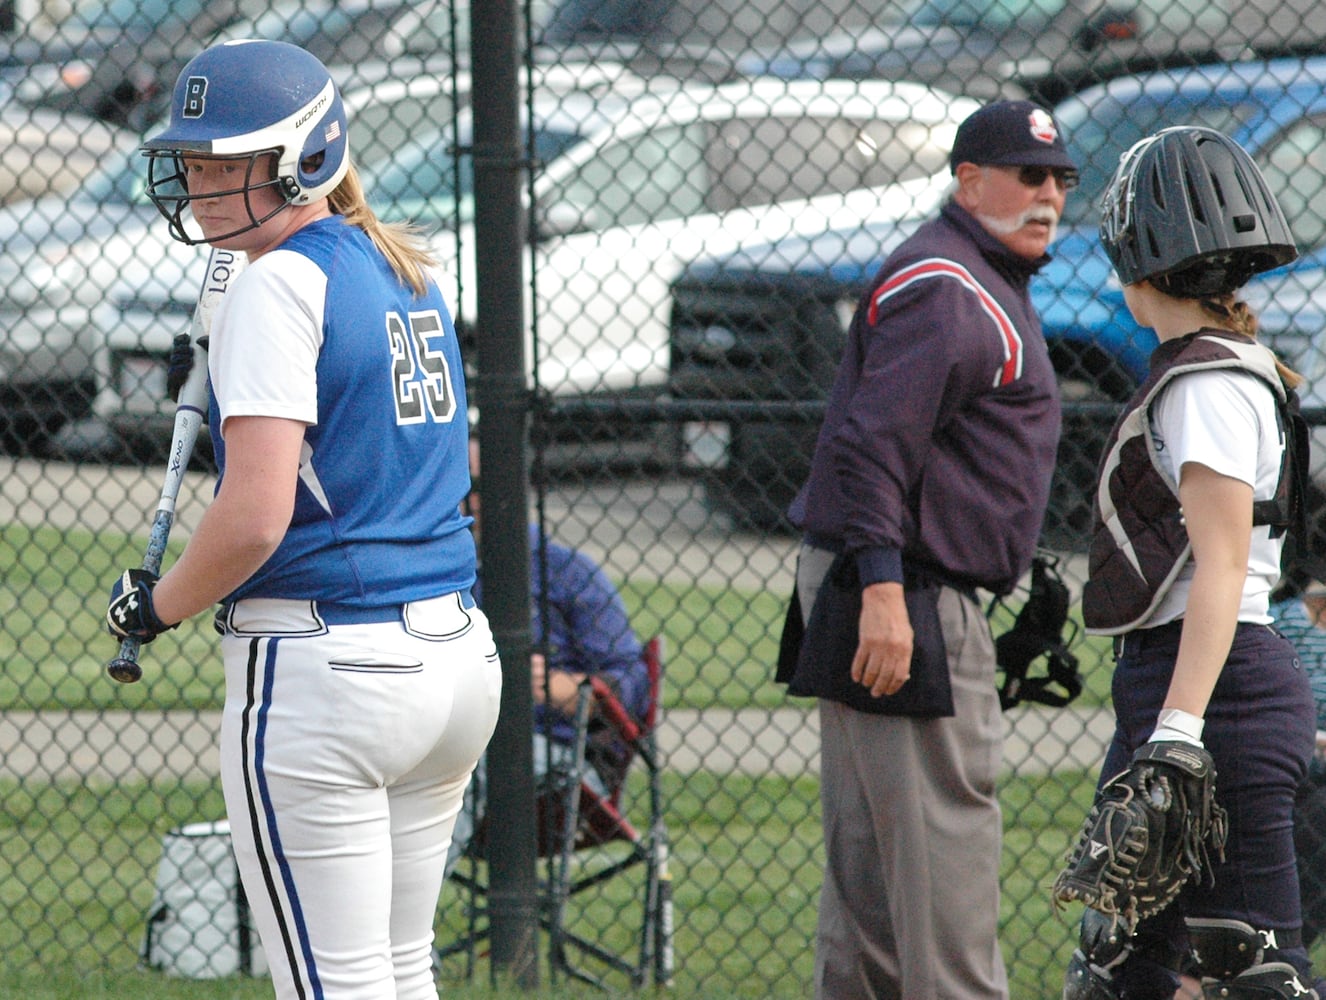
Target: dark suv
x=757, y=335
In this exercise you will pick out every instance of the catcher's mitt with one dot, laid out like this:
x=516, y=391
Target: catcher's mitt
x=1148, y=834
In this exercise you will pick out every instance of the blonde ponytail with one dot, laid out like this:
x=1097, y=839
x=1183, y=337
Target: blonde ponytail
x=1236, y=315
x=401, y=243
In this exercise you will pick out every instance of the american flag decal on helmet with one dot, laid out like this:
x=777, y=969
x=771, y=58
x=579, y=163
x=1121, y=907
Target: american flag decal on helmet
x=333, y=131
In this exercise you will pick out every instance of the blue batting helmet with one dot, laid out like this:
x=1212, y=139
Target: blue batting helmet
x=245, y=99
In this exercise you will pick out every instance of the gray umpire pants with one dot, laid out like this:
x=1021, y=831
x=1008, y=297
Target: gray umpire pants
x=909, y=908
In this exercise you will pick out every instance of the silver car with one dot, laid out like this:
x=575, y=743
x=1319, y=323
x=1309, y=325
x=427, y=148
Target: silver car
x=60, y=256
x=630, y=187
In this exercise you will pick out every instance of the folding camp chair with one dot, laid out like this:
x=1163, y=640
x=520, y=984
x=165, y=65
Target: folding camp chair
x=586, y=839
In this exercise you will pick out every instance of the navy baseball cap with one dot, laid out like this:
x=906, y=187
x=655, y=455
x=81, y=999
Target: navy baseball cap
x=1010, y=133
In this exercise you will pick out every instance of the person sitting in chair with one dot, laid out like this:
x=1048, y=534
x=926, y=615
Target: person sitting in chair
x=586, y=633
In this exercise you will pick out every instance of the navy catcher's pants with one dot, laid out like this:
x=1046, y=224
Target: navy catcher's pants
x=1260, y=728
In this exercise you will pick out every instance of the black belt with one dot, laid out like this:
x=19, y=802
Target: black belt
x=914, y=575
x=1139, y=639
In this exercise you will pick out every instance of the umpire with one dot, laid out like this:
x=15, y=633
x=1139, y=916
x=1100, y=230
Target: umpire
x=929, y=481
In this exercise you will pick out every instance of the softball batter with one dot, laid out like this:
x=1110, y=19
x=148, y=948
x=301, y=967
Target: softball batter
x=362, y=683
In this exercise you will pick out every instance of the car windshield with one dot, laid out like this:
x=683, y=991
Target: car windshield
x=327, y=33
x=423, y=182
x=296, y=25
x=990, y=15
x=1099, y=133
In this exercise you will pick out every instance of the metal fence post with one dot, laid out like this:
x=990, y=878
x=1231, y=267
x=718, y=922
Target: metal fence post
x=503, y=404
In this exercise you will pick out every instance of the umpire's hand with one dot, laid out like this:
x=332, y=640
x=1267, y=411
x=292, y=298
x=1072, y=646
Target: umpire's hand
x=883, y=661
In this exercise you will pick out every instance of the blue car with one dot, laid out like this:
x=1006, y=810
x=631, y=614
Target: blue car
x=1276, y=110
x=756, y=334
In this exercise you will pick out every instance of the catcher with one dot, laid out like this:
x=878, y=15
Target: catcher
x=1187, y=858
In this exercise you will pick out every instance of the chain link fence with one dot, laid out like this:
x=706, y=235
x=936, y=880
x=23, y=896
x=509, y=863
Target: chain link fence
x=711, y=186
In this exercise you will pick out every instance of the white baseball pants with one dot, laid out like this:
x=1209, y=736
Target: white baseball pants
x=345, y=753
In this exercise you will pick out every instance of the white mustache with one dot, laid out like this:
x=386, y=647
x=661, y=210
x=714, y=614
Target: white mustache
x=1041, y=213
x=1036, y=213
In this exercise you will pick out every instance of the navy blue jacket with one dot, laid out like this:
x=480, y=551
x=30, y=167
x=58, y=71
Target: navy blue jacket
x=939, y=440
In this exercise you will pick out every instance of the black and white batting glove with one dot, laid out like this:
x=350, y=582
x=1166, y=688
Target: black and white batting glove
x=131, y=614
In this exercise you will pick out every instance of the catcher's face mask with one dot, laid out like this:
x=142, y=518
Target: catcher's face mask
x=1117, y=229
x=1039, y=630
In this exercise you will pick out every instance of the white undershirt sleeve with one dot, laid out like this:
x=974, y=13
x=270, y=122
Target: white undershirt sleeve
x=266, y=338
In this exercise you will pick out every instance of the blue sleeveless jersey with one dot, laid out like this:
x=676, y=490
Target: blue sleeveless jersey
x=377, y=511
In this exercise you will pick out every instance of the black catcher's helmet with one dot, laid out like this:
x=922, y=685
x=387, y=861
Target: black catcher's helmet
x=1188, y=210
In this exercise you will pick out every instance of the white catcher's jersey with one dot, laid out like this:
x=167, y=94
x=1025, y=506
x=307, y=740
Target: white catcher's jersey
x=1225, y=420
x=320, y=330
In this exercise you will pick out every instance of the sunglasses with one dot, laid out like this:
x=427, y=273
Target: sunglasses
x=1034, y=176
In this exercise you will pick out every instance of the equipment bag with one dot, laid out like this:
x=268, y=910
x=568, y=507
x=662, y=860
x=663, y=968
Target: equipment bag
x=199, y=925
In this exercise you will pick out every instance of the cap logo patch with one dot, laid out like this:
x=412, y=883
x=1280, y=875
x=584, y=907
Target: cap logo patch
x=1042, y=127
x=195, y=97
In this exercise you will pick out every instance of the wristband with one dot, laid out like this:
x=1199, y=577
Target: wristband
x=1176, y=724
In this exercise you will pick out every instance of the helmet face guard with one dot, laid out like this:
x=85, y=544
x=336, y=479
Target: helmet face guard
x=1116, y=210
x=270, y=103
x=1188, y=210
x=168, y=189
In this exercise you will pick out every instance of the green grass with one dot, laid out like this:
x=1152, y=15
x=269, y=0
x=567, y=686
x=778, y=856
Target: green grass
x=78, y=866
x=55, y=646
x=101, y=985
x=746, y=864
x=721, y=642
x=77, y=862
